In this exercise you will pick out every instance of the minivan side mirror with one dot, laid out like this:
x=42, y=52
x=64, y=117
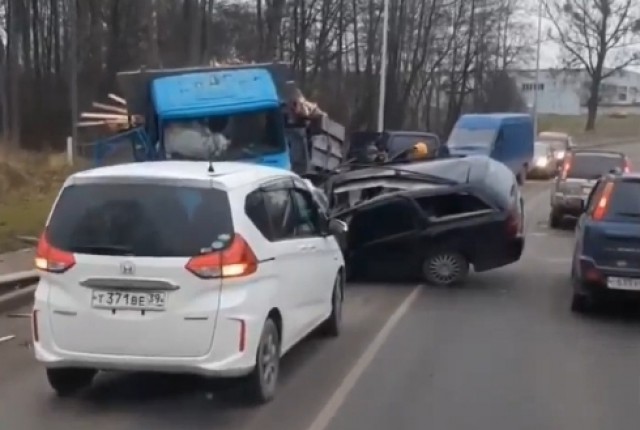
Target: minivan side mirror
x=337, y=227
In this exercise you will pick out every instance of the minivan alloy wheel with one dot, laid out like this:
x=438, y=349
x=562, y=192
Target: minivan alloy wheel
x=269, y=362
x=261, y=384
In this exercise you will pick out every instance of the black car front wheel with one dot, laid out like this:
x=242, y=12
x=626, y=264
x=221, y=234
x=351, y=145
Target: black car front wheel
x=445, y=267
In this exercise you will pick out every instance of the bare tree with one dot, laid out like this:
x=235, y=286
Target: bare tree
x=445, y=56
x=599, y=36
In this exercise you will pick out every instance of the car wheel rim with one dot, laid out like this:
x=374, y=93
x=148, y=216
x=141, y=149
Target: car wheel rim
x=269, y=361
x=444, y=268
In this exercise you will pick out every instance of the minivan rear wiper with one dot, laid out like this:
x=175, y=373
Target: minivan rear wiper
x=102, y=249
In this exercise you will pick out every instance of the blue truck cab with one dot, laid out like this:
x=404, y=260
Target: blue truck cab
x=505, y=137
x=180, y=106
x=223, y=113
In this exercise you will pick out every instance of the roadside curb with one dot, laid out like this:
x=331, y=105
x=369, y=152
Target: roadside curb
x=624, y=141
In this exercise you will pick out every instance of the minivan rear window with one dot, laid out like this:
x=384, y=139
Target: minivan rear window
x=144, y=220
x=592, y=166
x=625, y=200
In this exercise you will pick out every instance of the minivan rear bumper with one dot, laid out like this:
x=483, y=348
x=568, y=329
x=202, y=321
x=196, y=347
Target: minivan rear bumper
x=225, y=358
x=52, y=357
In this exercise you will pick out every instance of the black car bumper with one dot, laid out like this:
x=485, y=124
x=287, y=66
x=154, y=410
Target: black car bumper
x=541, y=172
x=498, y=256
x=569, y=205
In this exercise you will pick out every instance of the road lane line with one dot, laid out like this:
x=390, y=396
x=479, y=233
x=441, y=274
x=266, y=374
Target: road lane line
x=7, y=338
x=339, y=396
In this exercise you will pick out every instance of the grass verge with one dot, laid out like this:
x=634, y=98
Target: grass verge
x=607, y=127
x=29, y=182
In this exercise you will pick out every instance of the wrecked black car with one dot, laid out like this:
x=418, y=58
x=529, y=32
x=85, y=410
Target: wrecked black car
x=431, y=220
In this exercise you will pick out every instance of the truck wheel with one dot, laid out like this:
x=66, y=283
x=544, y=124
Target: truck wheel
x=261, y=384
x=445, y=268
x=67, y=382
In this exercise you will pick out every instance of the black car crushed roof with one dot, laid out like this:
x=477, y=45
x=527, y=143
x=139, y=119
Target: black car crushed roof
x=473, y=171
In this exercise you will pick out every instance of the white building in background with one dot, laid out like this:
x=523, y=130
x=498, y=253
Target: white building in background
x=565, y=91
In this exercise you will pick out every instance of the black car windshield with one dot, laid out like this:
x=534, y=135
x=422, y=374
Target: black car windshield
x=463, y=137
x=592, y=166
x=625, y=200
x=229, y=137
x=145, y=220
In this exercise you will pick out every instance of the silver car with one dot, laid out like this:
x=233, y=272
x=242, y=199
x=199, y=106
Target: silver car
x=580, y=172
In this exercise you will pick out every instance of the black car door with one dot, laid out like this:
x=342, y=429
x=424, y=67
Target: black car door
x=383, y=238
x=465, y=223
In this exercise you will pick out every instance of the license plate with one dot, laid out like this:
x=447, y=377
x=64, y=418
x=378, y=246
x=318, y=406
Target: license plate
x=631, y=284
x=128, y=300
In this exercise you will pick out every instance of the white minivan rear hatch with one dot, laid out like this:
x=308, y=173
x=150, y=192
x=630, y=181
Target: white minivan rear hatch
x=116, y=255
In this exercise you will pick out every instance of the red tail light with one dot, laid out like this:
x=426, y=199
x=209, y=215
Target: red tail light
x=237, y=260
x=513, y=226
x=627, y=166
x=566, y=166
x=601, y=208
x=52, y=259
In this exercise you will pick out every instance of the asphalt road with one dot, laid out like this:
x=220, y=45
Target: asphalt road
x=503, y=352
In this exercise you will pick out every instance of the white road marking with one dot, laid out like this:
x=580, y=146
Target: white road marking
x=6, y=338
x=538, y=233
x=553, y=260
x=339, y=396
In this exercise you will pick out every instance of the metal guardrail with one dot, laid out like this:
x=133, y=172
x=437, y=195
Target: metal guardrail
x=16, y=289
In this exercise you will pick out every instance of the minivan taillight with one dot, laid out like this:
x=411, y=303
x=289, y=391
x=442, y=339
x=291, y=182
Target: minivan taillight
x=627, y=166
x=51, y=259
x=236, y=260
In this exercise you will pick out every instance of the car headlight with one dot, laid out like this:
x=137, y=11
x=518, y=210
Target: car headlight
x=541, y=161
x=559, y=155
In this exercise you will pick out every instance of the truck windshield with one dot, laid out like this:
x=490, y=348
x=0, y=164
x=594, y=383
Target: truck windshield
x=224, y=138
x=464, y=137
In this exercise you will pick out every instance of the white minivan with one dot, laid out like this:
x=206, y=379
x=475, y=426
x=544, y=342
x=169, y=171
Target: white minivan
x=170, y=267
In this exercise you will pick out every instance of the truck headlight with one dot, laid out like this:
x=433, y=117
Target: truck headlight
x=559, y=155
x=541, y=162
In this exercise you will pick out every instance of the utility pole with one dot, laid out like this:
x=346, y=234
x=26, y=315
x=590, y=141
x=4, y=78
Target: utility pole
x=383, y=66
x=73, y=70
x=537, y=84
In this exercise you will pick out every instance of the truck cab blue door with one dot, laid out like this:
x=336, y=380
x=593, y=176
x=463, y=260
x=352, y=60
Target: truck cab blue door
x=123, y=147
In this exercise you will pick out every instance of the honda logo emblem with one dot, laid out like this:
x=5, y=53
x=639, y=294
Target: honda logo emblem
x=127, y=268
